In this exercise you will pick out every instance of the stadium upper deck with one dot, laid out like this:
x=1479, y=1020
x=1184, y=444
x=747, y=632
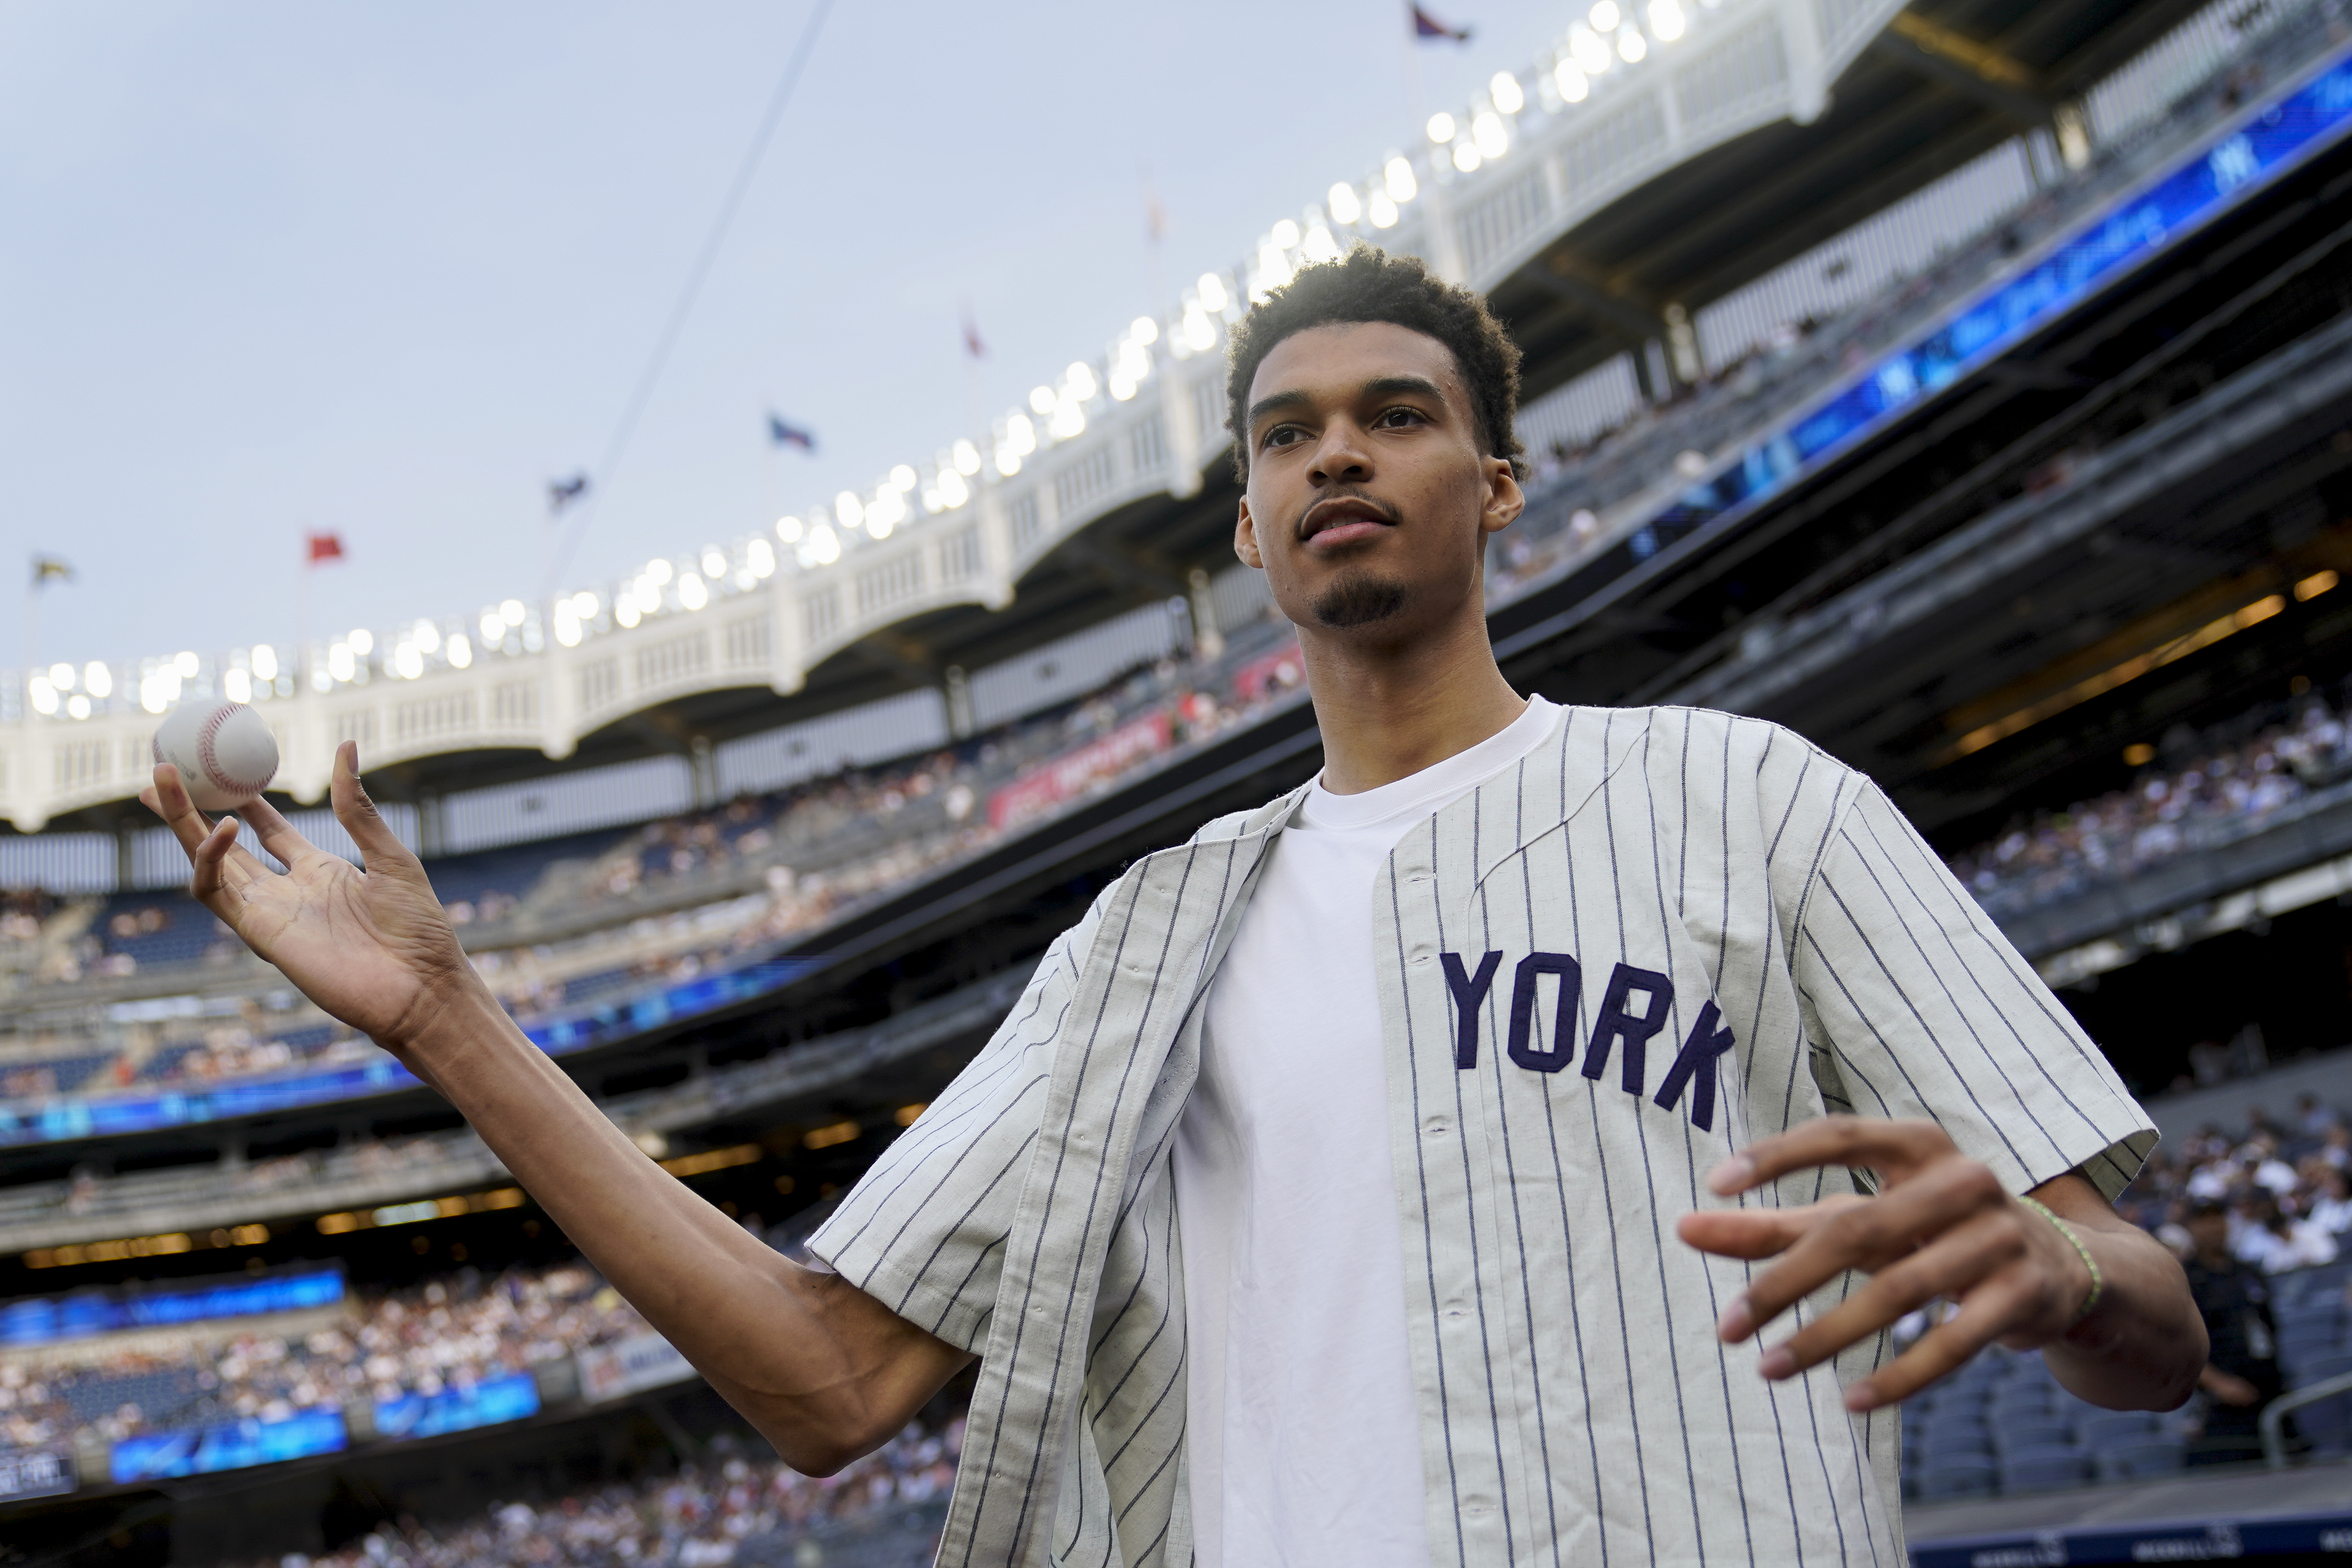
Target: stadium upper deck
x=1782, y=124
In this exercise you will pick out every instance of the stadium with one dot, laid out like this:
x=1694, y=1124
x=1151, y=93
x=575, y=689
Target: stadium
x=1967, y=386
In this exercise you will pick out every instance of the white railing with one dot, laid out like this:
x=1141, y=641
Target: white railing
x=1609, y=108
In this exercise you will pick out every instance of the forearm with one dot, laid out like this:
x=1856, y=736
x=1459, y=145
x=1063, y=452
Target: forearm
x=823, y=1371
x=2143, y=1346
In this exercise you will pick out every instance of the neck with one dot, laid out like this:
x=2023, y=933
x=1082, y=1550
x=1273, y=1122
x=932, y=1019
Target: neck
x=1388, y=710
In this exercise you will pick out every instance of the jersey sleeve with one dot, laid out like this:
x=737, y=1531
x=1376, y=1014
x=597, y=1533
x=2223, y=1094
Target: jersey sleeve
x=1925, y=1009
x=923, y=1230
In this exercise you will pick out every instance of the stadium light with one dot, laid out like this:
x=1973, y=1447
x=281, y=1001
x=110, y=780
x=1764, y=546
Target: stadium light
x=1146, y=329
x=187, y=664
x=714, y=564
x=1574, y=85
x=624, y=611
x=823, y=548
x=1020, y=436
x=1199, y=332
x=512, y=612
x=953, y=491
x=1605, y=16
x=1506, y=93
x=1081, y=377
x=848, y=511
x=97, y=679
x=45, y=695
x=265, y=668
x=903, y=477
x=1487, y=132
x=788, y=528
x=1632, y=45
x=61, y=675
x=461, y=652
x=967, y=458
x=427, y=637
x=78, y=705
x=1590, y=50
x=691, y=592
x=363, y=643
x=1344, y=205
x=1286, y=234
x=1041, y=399
x=1212, y=292
x=1398, y=182
x=760, y=557
x=1666, y=20
x=1382, y=210
x=1465, y=156
x=410, y=661
x=1068, y=420
x=1441, y=127
x=493, y=628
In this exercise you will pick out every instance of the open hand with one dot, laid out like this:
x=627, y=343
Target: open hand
x=372, y=948
x=1941, y=1225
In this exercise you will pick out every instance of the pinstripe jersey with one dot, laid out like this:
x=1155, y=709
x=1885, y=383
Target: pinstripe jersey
x=1664, y=934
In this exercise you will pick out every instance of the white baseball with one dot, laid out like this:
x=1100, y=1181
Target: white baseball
x=223, y=751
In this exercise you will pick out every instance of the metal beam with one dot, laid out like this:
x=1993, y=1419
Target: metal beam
x=1977, y=70
x=1618, y=312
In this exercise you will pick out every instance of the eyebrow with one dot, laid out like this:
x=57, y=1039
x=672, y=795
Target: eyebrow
x=1379, y=386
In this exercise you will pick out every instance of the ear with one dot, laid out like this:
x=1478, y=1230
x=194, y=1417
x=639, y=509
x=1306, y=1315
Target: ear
x=1246, y=538
x=1505, y=499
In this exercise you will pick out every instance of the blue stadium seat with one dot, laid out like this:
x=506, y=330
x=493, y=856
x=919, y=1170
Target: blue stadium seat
x=1964, y=1478
x=2027, y=1435
x=2138, y=1460
x=2110, y=1428
x=2050, y=1467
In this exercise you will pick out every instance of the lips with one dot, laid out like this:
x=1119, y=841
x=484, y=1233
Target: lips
x=1343, y=517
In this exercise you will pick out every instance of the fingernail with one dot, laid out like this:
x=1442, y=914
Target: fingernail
x=1861, y=1397
x=1778, y=1362
x=1734, y=1175
x=1737, y=1321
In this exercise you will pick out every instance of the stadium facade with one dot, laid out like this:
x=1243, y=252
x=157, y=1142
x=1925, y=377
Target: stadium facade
x=1964, y=388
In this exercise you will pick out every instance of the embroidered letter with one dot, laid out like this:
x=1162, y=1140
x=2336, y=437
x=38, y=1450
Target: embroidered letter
x=1695, y=1066
x=1564, y=1019
x=1635, y=1028
x=1469, y=996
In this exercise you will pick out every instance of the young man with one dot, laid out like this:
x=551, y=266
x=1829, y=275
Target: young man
x=2242, y=1373
x=1380, y=1177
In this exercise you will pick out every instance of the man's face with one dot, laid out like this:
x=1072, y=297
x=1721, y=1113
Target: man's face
x=2211, y=1232
x=1370, y=495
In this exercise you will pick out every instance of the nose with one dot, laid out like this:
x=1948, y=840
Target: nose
x=1342, y=456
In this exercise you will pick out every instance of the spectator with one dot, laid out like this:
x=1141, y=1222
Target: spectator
x=2276, y=1241
x=2331, y=1211
x=2242, y=1370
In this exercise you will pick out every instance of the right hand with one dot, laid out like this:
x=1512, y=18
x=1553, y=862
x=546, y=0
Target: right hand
x=372, y=948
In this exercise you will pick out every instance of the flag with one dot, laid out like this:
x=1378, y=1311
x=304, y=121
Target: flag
x=1425, y=25
x=47, y=569
x=972, y=343
x=324, y=547
x=562, y=493
x=783, y=435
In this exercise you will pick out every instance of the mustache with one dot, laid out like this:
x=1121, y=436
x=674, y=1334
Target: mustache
x=1387, y=510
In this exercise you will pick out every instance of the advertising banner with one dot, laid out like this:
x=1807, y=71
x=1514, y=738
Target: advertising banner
x=625, y=1366
x=1072, y=773
x=230, y=1446
x=459, y=1409
x=34, y=1472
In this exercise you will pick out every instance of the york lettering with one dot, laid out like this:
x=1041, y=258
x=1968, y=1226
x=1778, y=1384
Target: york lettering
x=1635, y=1006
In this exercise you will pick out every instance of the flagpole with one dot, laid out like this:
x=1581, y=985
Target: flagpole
x=1437, y=226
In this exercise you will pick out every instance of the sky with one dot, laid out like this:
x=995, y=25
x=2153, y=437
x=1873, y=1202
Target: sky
x=387, y=271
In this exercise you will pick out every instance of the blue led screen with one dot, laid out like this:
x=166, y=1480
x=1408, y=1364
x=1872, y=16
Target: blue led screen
x=459, y=1409
x=44, y=1319
x=230, y=1446
x=99, y=1116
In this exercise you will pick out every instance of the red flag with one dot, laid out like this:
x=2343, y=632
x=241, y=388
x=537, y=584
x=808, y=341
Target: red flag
x=972, y=343
x=324, y=547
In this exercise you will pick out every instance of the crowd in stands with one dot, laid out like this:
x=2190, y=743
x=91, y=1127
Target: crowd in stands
x=684, y=894
x=2288, y=1188
x=1677, y=437
x=454, y=1332
x=698, y=1518
x=2202, y=790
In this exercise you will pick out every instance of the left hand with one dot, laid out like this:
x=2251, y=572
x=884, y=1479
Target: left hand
x=1941, y=1225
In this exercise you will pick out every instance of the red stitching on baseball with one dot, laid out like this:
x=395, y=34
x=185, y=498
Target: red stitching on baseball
x=211, y=762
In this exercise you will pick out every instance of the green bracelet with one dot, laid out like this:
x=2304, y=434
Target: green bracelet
x=2098, y=1281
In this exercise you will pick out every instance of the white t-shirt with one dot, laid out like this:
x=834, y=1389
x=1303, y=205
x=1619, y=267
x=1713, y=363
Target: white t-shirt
x=1303, y=1430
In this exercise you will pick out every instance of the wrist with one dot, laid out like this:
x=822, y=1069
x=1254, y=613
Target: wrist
x=447, y=1021
x=2090, y=1282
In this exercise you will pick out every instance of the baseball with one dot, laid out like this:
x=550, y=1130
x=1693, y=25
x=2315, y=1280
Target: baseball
x=223, y=751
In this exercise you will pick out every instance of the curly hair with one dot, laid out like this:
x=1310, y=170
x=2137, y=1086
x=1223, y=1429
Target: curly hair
x=1370, y=285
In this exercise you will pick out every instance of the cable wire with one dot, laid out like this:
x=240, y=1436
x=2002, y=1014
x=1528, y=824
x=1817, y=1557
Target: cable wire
x=617, y=447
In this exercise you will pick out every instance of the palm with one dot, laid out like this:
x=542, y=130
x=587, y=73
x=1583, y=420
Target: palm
x=371, y=948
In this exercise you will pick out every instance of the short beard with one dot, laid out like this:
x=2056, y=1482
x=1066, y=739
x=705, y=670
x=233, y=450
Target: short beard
x=1359, y=600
